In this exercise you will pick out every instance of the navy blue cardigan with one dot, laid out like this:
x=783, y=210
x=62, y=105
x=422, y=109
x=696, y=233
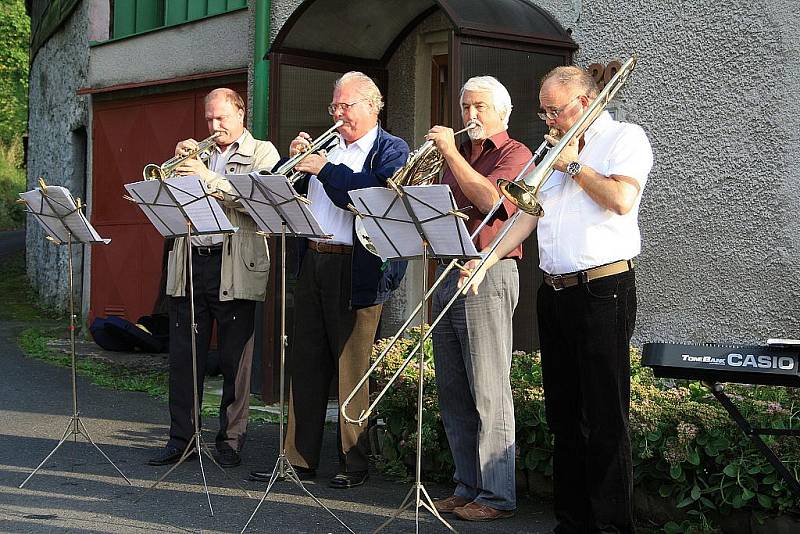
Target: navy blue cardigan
x=370, y=282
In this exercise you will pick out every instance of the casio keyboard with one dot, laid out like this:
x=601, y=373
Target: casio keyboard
x=774, y=364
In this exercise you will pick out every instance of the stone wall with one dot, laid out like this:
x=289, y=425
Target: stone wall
x=58, y=122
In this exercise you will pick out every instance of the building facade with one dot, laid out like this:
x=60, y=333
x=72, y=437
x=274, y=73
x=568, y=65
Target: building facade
x=115, y=85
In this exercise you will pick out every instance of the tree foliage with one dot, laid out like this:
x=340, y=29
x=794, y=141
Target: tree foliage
x=15, y=30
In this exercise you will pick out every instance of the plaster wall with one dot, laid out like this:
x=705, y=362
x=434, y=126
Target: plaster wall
x=719, y=219
x=213, y=44
x=57, y=119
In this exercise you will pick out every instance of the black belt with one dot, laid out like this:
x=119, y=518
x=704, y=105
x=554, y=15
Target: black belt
x=563, y=281
x=329, y=248
x=207, y=250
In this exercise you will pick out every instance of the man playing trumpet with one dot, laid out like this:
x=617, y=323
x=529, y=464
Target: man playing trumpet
x=341, y=288
x=230, y=276
x=472, y=344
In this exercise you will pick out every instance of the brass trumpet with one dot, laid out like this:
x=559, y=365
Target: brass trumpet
x=287, y=169
x=166, y=170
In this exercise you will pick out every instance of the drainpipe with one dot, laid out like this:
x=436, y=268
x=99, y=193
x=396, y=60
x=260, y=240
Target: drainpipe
x=261, y=69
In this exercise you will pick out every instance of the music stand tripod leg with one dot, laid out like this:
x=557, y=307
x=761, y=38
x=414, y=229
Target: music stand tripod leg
x=417, y=489
x=283, y=469
x=75, y=426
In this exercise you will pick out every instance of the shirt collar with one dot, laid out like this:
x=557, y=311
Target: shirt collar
x=233, y=146
x=602, y=122
x=494, y=141
x=364, y=144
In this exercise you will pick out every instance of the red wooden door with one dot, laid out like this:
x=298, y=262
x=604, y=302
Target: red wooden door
x=126, y=135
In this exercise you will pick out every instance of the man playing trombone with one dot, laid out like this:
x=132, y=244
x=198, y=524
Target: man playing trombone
x=229, y=274
x=586, y=306
x=472, y=344
x=341, y=288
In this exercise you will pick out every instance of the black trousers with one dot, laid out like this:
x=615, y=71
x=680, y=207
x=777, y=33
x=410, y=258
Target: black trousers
x=585, y=332
x=235, y=323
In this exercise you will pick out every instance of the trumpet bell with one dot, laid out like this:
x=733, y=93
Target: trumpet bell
x=521, y=195
x=363, y=236
x=152, y=171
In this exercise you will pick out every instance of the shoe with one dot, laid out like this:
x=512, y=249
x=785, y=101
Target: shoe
x=480, y=512
x=349, y=480
x=169, y=455
x=446, y=506
x=303, y=473
x=228, y=457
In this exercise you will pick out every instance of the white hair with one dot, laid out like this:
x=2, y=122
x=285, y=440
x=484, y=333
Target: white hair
x=364, y=85
x=501, y=100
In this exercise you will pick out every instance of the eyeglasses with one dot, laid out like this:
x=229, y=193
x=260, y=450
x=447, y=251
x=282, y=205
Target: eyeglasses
x=333, y=107
x=553, y=114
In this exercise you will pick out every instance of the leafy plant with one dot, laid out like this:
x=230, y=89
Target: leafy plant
x=685, y=447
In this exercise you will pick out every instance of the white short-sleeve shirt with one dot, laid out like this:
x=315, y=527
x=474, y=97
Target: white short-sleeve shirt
x=332, y=218
x=576, y=233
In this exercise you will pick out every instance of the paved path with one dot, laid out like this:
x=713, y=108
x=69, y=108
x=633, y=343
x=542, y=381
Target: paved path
x=78, y=491
x=11, y=242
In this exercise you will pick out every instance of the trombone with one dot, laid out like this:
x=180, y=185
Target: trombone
x=522, y=191
x=287, y=169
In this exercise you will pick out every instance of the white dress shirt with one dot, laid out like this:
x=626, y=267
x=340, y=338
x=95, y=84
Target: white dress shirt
x=576, y=233
x=331, y=218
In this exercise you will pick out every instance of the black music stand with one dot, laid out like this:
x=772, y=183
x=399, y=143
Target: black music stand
x=183, y=207
x=63, y=221
x=407, y=223
x=277, y=208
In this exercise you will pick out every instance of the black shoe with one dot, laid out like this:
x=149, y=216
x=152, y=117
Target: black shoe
x=228, y=457
x=349, y=480
x=169, y=455
x=303, y=473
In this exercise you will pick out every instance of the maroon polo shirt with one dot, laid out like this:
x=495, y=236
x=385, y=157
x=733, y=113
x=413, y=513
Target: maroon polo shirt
x=498, y=156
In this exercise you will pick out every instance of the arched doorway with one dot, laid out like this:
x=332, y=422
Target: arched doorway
x=419, y=52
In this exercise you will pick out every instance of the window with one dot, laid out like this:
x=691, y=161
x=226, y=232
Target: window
x=136, y=16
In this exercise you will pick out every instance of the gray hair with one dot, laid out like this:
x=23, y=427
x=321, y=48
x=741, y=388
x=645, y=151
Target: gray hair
x=501, y=100
x=571, y=76
x=364, y=85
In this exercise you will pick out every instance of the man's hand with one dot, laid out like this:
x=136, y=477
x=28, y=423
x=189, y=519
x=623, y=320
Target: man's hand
x=567, y=156
x=185, y=147
x=193, y=167
x=443, y=138
x=466, y=271
x=312, y=163
x=301, y=143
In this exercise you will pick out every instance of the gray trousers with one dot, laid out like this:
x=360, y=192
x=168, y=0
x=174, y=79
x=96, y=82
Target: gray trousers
x=472, y=352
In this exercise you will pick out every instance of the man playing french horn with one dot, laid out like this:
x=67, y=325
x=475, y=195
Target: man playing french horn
x=229, y=274
x=472, y=344
x=586, y=306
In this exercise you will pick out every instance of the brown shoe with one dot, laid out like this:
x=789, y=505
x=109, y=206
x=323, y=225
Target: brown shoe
x=480, y=512
x=446, y=506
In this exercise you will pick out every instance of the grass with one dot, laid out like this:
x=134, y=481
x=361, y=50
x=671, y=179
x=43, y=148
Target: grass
x=17, y=299
x=12, y=182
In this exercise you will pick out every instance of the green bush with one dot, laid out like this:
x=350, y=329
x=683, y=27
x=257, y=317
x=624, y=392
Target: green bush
x=685, y=447
x=12, y=182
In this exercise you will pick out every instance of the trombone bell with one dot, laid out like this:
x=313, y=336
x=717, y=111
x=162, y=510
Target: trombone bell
x=521, y=195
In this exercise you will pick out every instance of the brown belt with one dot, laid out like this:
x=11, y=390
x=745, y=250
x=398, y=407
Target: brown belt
x=329, y=248
x=563, y=281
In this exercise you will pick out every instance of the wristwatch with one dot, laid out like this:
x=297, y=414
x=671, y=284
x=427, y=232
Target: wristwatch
x=574, y=169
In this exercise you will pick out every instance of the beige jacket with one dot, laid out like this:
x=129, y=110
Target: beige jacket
x=245, y=257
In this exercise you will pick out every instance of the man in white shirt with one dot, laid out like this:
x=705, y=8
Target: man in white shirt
x=341, y=288
x=586, y=306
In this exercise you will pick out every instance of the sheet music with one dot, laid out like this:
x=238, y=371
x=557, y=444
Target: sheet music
x=191, y=200
x=393, y=231
x=58, y=214
x=270, y=199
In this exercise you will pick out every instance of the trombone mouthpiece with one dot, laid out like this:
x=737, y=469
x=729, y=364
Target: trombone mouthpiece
x=554, y=133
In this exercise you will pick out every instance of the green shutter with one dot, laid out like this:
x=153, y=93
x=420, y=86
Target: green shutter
x=124, y=17
x=216, y=7
x=236, y=4
x=177, y=11
x=197, y=9
x=149, y=14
